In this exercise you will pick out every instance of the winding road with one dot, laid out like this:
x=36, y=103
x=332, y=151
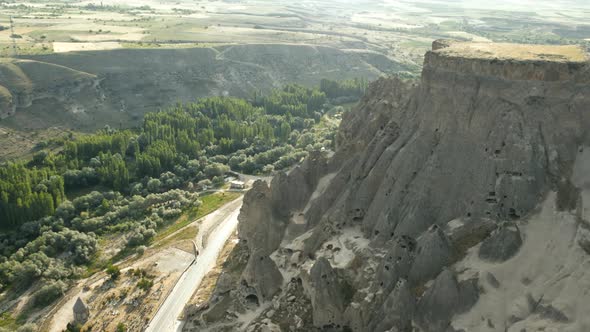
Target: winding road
x=214, y=231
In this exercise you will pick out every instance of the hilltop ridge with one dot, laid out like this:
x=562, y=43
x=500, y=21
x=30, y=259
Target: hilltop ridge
x=126, y=83
x=510, y=51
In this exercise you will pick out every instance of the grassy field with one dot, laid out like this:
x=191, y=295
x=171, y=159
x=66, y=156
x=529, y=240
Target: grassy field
x=189, y=233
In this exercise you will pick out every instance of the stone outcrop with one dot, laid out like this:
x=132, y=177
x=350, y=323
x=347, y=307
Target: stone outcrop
x=397, y=264
x=291, y=192
x=263, y=276
x=584, y=239
x=502, y=244
x=326, y=293
x=258, y=226
x=81, y=311
x=445, y=298
x=397, y=311
x=433, y=253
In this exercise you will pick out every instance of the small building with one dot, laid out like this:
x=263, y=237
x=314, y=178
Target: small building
x=81, y=312
x=237, y=185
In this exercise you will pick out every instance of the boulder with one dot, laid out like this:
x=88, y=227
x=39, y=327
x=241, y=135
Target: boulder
x=264, y=326
x=502, y=243
x=464, y=233
x=445, y=298
x=567, y=196
x=432, y=254
x=549, y=312
x=491, y=279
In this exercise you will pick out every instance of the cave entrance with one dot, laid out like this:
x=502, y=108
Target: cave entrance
x=252, y=300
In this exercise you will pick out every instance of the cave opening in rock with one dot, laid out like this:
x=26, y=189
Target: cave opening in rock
x=252, y=300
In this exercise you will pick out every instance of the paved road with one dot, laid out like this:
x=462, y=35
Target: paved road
x=214, y=231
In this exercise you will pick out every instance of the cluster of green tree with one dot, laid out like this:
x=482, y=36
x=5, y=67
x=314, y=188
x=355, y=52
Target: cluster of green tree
x=56, y=249
x=28, y=193
x=294, y=101
x=37, y=251
x=347, y=88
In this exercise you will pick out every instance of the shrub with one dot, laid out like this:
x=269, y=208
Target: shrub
x=216, y=169
x=113, y=271
x=171, y=213
x=148, y=234
x=48, y=293
x=73, y=327
x=140, y=250
x=135, y=239
x=218, y=181
x=145, y=284
x=66, y=211
x=268, y=169
x=204, y=184
x=154, y=185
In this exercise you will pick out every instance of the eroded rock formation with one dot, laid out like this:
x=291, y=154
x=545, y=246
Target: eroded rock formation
x=432, y=196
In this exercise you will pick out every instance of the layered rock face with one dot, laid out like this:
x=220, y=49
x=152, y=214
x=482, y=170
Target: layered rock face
x=431, y=197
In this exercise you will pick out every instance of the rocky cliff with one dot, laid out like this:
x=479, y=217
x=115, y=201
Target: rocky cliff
x=456, y=203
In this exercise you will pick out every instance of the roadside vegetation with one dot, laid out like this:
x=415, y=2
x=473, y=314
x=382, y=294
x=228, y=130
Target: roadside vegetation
x=60, y=210
x=209, y=203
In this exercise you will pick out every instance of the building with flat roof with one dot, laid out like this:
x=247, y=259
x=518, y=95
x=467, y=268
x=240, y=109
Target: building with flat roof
x=237, y=185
